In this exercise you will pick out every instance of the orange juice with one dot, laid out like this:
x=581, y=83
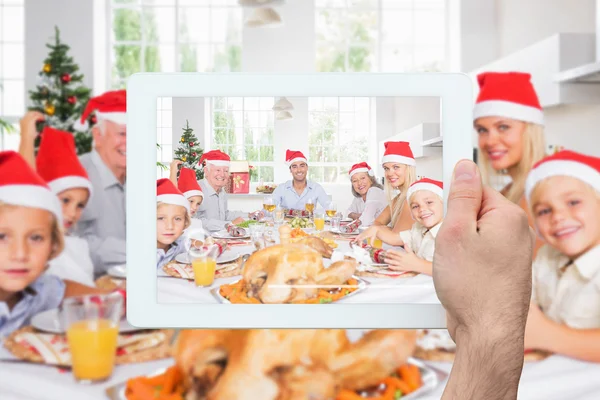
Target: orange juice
x=204, y=271
x=319, y=224
x=376, y=243
x=93, y=347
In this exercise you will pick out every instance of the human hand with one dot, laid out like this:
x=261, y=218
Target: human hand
x=402, y=260
x=256, y=215
x=175, y=164
x=28, y=124
x=237, y=221
x=368, y=234
x=538, y=326
x=483, y=283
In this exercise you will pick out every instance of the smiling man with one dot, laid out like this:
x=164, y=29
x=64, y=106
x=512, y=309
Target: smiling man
x=103, y=221
x=214, y=211
x=293, y=195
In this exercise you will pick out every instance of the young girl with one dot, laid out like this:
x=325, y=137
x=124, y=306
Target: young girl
x=31, y=234
x=425, y=199
x=189, y=186
x=563, y=191
x=172, y=218
x=58, y=165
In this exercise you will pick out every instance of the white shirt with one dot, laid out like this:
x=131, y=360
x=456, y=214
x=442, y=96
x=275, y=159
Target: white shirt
x=74, y=263
x=571, y=297
x=214, y=211
x=421, y=240
x=370, y=208
x=286, y=196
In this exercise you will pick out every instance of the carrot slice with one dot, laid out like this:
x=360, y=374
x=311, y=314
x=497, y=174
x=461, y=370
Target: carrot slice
x=398, y=384
x=172, y=377
x=142, y=391
x=411, y=375
x=348, y=395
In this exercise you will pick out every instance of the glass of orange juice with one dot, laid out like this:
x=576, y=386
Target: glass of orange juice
x=319, y=221
x=92, y=326
x=376, y=243
x=204, y=264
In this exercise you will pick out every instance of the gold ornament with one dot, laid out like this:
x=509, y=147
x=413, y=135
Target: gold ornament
x=47, y=68
x=49, y=109
x=182, y=140
x=183, y=158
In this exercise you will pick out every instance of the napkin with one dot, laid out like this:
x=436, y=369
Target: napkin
x=54, y=349
x=235, y=231
x=365, y=255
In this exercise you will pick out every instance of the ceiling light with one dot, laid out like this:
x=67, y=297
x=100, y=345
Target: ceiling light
x=282, y=115
x=260, y=17
x=283, y=104
x=260, y=3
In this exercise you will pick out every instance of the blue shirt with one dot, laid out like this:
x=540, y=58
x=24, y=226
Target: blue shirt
x=286, y=196
x=164, y=257
x=46, y=293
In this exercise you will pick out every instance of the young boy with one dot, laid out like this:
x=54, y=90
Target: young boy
x=425, y=199
x=31, y=234
x=189, y=186
x=563, y=192
x=172, y=218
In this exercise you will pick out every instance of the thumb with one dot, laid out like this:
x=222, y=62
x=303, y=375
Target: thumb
x=465, y=196
x=408, y=249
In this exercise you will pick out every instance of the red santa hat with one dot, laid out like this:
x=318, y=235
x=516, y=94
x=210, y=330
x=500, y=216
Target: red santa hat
x=187, y=183
x=398, y=152
x=216, y=158
x=361, y=167
x=167, y=193
x=292, y=156
x=565, y=163
x=20, y=185
x=110, y=106
x=434, y=186
x=57, y=162
x=508, y=94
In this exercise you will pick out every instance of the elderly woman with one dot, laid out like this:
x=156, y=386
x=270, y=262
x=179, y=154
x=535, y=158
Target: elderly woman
x=369, y=197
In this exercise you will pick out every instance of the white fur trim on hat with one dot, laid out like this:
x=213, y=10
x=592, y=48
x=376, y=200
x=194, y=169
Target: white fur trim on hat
x=82, y=127
x=174, y=199
x=424, y=186
x=297, y=159
x=69, y=182
x=569, y=168
x=218, y=163
x=398, y=159
x=116, y=117
x=507, y=109
x=358, y=170
x=192, y=193
x=33, y=196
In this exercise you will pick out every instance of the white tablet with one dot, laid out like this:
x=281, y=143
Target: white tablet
x=335, y=120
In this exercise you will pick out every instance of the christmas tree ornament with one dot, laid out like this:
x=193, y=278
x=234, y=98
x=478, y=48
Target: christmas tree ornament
x=194, y=154
x=47, y=68
x=49, y=109
x=71, y=99
x=182, y=140
x=191, y=144
x=189, y=151
x=93, y=120
x=183, y=158
x=66, y=78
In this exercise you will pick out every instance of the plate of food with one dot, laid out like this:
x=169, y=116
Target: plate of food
x=117, y=271
x=226, y=235
x=338, y=232
x=266, y=189
x=204, y=366
x=49, y=321
x=227, y=257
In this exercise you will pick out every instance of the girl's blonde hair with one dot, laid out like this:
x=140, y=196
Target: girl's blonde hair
x=546, y=184
x=534, y=149
x=187, y=220
x=397, y=196
x=57, y=235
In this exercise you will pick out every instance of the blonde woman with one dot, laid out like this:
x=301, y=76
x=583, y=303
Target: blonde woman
x=399, y=167
x=509, y=122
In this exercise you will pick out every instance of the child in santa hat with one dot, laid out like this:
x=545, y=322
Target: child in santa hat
x=172, y=218
x=425, y=200
x=189, y=186
x=563, y=192
x=31, y=234
x=58, y=165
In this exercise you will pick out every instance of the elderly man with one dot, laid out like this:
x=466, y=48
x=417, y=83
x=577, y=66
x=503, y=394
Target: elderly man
x=103, y=221
x=213, y=211
x=293, y=195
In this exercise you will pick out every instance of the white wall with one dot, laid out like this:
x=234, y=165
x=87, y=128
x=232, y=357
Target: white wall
x=192, y=110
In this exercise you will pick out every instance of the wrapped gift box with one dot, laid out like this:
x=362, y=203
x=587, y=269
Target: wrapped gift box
x=239, y=177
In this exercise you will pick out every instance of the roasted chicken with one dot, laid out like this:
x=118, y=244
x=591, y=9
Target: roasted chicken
x=285, y=364
x=293, y=272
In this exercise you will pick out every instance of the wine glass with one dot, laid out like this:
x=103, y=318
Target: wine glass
x=310, y=207
x=269, y=204
x=331, y=209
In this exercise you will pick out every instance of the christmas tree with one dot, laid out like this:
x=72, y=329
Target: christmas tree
x=189, y=152
x=60, y=94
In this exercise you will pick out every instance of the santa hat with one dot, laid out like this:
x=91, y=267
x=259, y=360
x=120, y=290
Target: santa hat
x=434, y=186
x=292, y=156
x=110, y=106
x=187, y=183
x=398, y=152
x=361, y=167
x=57, y=162
x=508, y=94
x=565, y=163
x=167, y=193
x=216, y=158
x=20, y=185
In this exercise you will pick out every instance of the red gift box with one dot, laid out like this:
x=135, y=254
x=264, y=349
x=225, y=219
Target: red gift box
x=239, y=177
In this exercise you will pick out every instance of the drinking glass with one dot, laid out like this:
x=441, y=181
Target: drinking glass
x=331, y=209
x=204, y=264
x=92, y=326
x=269, y=205
x=319, y=221
x=278, y=216
x=335, y=223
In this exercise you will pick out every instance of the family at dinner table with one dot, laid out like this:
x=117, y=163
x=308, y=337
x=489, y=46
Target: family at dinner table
x=62, y=217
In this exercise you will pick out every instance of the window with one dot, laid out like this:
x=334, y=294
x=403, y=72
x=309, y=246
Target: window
x=339, y=132
x=243, y=128
x=380, y=35
x=12, y=70
x=173, y=36
x=164, y=135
